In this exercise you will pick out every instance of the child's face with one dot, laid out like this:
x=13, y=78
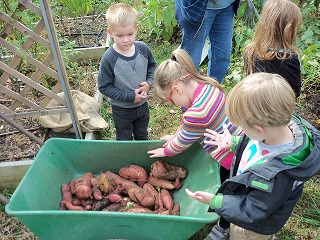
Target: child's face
x=124, y=36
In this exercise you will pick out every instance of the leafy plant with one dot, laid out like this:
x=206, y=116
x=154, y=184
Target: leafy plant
x=158, y=19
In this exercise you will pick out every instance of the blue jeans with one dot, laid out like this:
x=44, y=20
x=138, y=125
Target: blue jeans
x=218, y=27
x=131, y=123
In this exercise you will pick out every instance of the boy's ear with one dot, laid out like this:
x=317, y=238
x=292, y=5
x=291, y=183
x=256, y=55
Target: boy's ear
x=259, y=129
x=109, y=31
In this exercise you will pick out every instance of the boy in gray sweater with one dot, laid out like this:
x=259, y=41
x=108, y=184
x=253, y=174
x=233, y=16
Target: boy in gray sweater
x=126, y=74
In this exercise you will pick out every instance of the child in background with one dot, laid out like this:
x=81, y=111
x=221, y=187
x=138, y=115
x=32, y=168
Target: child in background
x=273, y=48
x=126, y=74
x=275, y=156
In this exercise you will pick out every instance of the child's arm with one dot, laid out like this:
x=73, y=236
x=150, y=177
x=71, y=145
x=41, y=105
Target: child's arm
x=200, y=196
x=159, y=152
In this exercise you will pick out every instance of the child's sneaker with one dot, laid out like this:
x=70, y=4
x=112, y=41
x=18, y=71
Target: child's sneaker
x=218, y=233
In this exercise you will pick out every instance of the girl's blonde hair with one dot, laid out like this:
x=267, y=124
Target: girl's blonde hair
x=121, y=14
x=275, y=32
x=169, y=71
x=262, y=99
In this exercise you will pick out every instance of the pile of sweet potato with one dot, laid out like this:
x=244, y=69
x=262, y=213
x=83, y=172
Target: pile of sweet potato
x=131, y=190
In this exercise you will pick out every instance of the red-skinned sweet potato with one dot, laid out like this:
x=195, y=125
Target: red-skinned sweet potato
x=176, y=210
x=118, y=182
x=114, y=197
x=166, y=199
x=134, y=173
x=70, y=206
x=138, y=210
x=177, y=184
x=141, y=196
x=83, y=186
x=167, y=171
x=72, y=185
x=161, y=183
x=66, y=193
x=97, y=194
x=154, y=193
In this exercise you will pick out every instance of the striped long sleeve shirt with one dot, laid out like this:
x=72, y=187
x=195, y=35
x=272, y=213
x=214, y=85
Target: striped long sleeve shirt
x=207, y=111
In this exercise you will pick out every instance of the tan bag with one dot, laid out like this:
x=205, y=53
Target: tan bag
x=87, y=109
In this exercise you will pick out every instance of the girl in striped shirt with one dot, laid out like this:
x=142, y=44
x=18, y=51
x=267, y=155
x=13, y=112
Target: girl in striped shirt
x=178, y=81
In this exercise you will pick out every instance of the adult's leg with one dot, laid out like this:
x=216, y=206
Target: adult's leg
x=221, y=43
x=140, y=124
x=194, y=44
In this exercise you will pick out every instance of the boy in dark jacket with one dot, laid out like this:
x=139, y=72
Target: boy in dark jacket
x=277, y=154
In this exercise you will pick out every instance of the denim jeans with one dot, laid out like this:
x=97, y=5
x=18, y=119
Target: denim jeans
x=218, y=27
x=131, y=123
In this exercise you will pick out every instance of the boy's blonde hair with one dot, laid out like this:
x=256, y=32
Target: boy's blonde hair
x=121, y=14
x=261, y=99
x=276, y=30
x=169, y=71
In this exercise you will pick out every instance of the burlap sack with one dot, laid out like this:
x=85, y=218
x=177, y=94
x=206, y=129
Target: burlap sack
x=87, y=109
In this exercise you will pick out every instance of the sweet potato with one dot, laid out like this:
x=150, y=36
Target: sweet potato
x=70, y=206
x=117, y=182
x=72, y=185
x=114, y=197
x=176, y=210
x=154, y=193
x=83, y=186
x=76, y=201
x=97, y=194
x=113, y=207
x=162, y=183
x=141, y=196
x=66, y=193
x=103, y=203
x=94, y=182
x=138, y=210
x=63, y=205
x=166, y=199
x=88, y=202
x=166, y=212
x=134, y=173
x=125, y=201
x=167, y=171
x=177, y=184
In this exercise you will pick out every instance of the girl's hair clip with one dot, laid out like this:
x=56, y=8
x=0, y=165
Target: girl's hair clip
x=173, y=58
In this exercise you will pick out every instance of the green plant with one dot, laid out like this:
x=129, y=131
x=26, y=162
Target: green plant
x=158, y=19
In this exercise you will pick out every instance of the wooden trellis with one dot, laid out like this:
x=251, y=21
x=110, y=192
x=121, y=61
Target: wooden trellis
x=17, y=100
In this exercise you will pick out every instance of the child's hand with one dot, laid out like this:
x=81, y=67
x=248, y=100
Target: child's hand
x=167, y=138
x=144, y=89
x=222, y=141
x=200, y=196
x=139, y=97
x=159, y=152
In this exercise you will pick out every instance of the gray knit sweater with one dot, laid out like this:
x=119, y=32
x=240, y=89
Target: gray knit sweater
x=120, y=75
